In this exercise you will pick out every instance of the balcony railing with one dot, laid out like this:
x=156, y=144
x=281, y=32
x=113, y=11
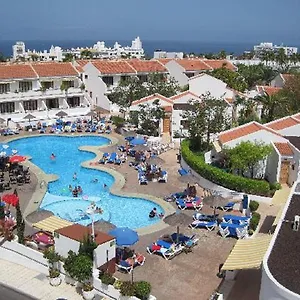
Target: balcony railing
x=30, y=95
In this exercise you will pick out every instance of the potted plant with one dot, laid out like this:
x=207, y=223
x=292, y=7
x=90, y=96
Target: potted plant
x=54, y=277
x=142, y=289
x=106, y=278
x=82, y=271
x=127, y=289
x=53, y=258
x=68, y=265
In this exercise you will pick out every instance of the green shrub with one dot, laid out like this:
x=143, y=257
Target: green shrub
x=118, y=121
x=142, y=289
x=253, y=205
x=275, y=186
x=118, y=284
x=254, y=221
x=218, y=176
x=107, y=278
x=127, y=288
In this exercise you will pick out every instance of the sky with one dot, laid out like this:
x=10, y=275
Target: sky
x=188, y=20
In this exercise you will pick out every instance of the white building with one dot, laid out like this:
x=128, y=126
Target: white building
x=36, y=88
x=159, y=54
x=69, y=238
x=263, y=47
x=103, y=76
x=183, y=69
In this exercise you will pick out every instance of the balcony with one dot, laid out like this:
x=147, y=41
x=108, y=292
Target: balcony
x=37, y=94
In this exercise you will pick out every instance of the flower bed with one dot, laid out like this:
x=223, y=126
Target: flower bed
x=216, y=175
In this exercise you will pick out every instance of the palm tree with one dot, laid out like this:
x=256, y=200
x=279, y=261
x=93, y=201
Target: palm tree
x=68, y=57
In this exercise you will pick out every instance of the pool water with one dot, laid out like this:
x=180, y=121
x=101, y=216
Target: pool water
x=121, y=211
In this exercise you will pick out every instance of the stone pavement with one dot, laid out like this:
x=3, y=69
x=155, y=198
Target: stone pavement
x=34, y=283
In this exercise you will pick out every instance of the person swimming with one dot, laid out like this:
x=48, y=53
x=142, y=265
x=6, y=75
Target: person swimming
x=153, y=213
x=95, y=180
x=79, y=189
x=75, y=176
x=105, y=186
x=70, y=188
x=52, y=156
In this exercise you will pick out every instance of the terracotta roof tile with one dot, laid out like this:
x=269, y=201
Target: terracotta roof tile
x=146, y=66
x=297, y=116
x=168, y=108
x=284, y=149
x=164, y=60
x=152, y=98
x=16, y=71
x=113, y=67
x=286, y=77
x=77, y=232
x=54, y=69
x=282, y=123
x=269, y=90
x=193, y=64
x=220, y=63
x=83, y=62
x=79, y=69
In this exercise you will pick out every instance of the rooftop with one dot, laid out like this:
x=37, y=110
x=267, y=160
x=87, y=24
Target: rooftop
x=55, y=69
x=220, y=63
x=16, y=71
x=114, y=67
x=193, y=64
x=283, y=262
x=152, y=98
x=286, y=77
x=282, y=123
x=284, y=149
x=145, y=66
x=269, y=90
x=184, y=94
x=77, y=232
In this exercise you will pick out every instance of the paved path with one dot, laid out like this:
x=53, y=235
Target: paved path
x=34, y=283
x=6, y=293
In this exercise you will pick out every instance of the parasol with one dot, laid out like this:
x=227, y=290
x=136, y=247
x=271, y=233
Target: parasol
x=61, y=114
x=10, y=199
x=29, y=117
x=17, y=159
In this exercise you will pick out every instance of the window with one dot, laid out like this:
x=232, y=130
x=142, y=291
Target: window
x=47, y=84
x=143, y=78
x=86, y=76
x=189, y=75
x=74, y=101
x=7, y=107
x=52, y=103
x=4, y=88
x=68, y=83
x=185, y=124
x=25, y=86
x=108, y=80
x=30, y=105
x=125, y=78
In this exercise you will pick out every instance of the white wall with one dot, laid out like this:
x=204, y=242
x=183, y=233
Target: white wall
x=258, y=136
x=100, y=253
x=202, y=84
x=95, y=85
x=177, y=72
x=290, y=131
x=277, y=81
x=64, y=244
x=273, y=166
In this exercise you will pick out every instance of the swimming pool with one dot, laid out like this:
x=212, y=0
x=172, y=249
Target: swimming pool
x=121, y=211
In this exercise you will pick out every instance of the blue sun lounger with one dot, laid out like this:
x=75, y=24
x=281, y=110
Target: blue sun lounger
x=104, y=158
x=112, y=158
x=183, y=172
x=188, y=241
x=142, y=178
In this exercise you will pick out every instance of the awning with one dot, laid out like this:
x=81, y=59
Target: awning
x=51, y=224
x=247, y=254
x=217, y=146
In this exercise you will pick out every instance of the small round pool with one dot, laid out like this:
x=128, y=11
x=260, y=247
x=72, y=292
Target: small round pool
x=122, y=211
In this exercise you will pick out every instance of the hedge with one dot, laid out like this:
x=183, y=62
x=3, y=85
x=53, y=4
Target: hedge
x=216, y=175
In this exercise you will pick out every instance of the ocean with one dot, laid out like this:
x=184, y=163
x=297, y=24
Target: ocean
x=149, y=46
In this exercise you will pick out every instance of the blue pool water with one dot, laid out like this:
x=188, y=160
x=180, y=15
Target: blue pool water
x=121, y=211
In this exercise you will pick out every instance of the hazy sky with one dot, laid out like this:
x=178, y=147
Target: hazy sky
x=201, y=20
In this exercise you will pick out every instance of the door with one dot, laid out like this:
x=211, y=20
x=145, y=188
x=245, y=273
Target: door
x=284, y=171
x=166, y=125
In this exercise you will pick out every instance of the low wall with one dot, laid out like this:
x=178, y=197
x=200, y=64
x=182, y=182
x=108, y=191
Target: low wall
x=212, y=186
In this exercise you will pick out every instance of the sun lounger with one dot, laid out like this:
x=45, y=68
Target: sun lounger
x=209, y=225
x=183, y=172
x=164, y=177
x=166, y=250
x=234, y=230
x=188, y=241
x=104, y=158
x=202, y=217
x=112, y=158
x=227, y=207
x=195, y=204
x=123, y=265
x=236, y=219
x=142, y=179
x=42, y=130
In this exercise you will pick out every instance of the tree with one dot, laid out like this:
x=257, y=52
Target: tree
x=20, y=224
x=246, y=156
x=87, y=247
x=133, y=89
x=204, y=118
x=69, y=57
x=282, y=60
x=222, y=54
x=2, y=57
x=86, y=54
x=248, y=112
x=149, y=117
x=274, y=106
x=291, y=92
x=231, y=78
